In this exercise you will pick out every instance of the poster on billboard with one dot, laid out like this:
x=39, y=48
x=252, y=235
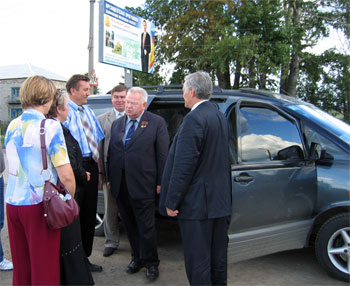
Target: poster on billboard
x=125, y=40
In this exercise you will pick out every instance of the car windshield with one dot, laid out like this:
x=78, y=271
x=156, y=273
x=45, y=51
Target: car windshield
x=332, y=124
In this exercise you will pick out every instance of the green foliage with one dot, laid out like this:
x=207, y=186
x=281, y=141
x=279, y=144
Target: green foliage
x=263, y=44
x=142, y=79
x=3, y=128
x=325, y=82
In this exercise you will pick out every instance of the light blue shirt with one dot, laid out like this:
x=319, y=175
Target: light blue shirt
x=129, y=123
x=73, y=123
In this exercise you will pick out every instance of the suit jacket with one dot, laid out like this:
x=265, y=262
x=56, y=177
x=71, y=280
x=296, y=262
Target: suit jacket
x=144, y=158
x=147, y=46
x=106, y=119
x=197, y=176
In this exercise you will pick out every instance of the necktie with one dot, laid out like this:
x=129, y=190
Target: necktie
x=88, y=134
x=130, y=133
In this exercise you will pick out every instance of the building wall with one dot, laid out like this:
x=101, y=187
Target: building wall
x=5, y=97
x=6, y=101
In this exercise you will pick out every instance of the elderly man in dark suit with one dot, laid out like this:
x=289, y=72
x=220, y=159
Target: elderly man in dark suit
x=136, y=157
x=196, y=184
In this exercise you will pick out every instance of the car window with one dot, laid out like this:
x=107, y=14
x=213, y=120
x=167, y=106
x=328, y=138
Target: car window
x=173, y=113
x=314, y=136
x=100, y=106
x=265, y=135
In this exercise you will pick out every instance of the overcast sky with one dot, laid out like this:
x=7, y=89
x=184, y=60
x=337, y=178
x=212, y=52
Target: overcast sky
x=54, y=35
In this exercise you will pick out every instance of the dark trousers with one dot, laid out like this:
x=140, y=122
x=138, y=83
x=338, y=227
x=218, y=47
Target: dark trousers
x=205, y=250
x=86, y=198
x=138, y=217
x=35, y=249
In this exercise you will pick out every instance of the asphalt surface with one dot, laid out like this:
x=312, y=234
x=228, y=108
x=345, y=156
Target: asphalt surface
x=298, y=267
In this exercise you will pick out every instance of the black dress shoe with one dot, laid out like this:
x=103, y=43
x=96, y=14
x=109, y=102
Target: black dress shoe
x=108, y=251
x=152, y=272
x=94, y=267
x=133, y=267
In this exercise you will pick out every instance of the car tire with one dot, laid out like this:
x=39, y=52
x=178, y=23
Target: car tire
x=99, y=227
x=333, y=246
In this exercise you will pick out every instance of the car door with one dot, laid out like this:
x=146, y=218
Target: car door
x=273, y=183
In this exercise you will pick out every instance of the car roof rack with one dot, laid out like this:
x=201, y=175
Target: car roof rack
x=260, y=92
x=160, y=89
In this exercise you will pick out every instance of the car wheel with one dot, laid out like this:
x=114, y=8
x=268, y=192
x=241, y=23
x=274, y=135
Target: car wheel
x=99, y=231
x=333, y=246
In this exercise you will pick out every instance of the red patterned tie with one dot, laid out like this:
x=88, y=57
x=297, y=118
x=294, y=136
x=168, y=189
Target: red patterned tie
x=89, y=135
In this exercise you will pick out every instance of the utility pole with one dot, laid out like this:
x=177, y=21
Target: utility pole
x=91, y=41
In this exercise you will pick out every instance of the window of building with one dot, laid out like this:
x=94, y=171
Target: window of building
x=14, y=94
x=15, y=112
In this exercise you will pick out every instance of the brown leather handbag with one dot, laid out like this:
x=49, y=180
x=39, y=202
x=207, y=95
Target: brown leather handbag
x=60, y=208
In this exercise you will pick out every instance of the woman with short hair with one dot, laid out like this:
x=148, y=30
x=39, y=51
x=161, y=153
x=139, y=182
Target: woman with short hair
x=34, y=247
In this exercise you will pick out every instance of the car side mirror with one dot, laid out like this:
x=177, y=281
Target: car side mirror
x=315, y=151
x=319, y=155
x=293, y=152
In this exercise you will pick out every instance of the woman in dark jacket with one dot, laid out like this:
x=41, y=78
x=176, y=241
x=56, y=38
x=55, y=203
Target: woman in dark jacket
x=74, y=268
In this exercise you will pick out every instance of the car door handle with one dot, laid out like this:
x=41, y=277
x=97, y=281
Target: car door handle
x=243, y=179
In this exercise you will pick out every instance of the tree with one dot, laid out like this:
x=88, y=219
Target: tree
x=188, y=33
x=325, y=82
x=253, y=42
x=142, y=79
x=252, y=38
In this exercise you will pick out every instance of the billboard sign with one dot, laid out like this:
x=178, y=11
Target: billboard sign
x=125, y=40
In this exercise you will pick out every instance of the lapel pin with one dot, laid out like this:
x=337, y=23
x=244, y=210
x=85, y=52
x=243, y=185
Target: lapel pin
x=144, y=124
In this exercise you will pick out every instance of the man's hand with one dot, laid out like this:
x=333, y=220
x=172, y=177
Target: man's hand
x=159, y=187
x=88, y=175
x=171, y=212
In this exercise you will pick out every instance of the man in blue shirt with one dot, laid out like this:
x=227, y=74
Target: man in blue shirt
x=85, y=128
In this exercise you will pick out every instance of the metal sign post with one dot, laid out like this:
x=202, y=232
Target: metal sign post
x=91, y=41
x=128, y=78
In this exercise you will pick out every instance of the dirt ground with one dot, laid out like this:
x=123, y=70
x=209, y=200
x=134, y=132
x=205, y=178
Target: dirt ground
x=298, y=267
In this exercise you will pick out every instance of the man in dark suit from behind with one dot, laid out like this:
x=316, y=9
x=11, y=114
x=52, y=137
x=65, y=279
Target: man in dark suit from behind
x=196, y=184
x=136, y=157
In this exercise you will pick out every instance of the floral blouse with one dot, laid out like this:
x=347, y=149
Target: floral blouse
x=22, y=142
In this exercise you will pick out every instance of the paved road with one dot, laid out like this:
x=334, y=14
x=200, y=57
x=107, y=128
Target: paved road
x=287, y=268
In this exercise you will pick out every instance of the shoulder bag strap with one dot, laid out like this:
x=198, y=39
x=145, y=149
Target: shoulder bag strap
x=42, y=142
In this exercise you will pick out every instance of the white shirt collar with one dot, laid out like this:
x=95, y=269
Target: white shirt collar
x=118, y=113
x=198, y=103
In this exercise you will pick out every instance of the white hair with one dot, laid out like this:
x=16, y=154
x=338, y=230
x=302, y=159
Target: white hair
x=201, y=83
x=139, y=90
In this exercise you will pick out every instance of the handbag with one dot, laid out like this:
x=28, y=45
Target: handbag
x=60, y=208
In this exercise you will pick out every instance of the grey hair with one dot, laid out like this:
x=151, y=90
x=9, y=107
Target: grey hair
x=139, y=90
x=201, y=83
